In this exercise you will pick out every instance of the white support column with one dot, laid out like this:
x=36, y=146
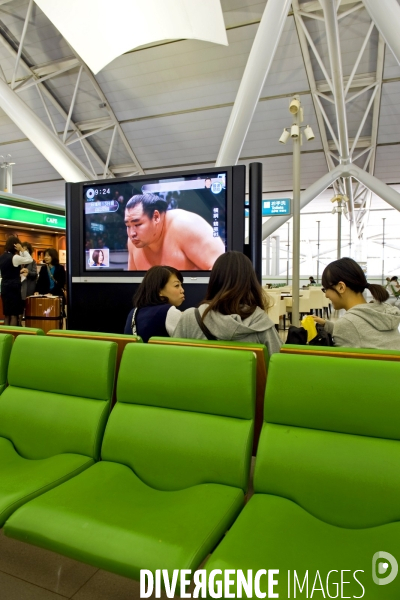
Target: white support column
x=62, y=159
x=375, y=185
x=254, y=76
x=332, y=34
x=386, y=16
x=309, y=194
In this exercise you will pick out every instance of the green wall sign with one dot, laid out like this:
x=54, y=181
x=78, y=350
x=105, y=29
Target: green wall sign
x=31, y=217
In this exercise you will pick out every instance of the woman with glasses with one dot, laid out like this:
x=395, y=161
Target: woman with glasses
x=365, y=325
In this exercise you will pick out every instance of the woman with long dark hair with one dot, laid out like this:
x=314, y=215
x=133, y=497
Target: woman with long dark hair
x=234, y=307
x=51, y=278
x=10, y=266
x=365, y=325
x=155, y=304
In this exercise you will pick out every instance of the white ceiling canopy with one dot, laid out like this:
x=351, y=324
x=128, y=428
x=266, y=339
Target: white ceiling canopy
x=100, y=30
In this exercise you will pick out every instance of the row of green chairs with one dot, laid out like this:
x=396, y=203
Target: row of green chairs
x=175, y=462
x=175, y=450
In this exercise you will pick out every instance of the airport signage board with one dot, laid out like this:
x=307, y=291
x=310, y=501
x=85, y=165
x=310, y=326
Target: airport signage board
x=274, y=207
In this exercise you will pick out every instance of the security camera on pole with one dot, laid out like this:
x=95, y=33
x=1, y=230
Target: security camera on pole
x=295, y=133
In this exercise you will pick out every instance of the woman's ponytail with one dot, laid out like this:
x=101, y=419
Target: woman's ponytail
x=378, y=292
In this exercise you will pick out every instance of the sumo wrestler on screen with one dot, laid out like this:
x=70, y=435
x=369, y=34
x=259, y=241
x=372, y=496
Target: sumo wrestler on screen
x=157, y=236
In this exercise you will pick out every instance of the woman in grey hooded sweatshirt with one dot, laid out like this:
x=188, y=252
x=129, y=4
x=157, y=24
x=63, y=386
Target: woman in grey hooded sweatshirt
x=365, y=325
x=234, y=307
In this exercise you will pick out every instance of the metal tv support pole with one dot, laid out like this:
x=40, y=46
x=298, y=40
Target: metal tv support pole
x=255, y=220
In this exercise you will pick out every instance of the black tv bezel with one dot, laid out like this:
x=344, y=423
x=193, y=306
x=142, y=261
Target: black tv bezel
x=235, y=195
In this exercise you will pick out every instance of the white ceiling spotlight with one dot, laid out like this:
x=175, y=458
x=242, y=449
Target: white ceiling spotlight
x=308, y=132
x=100, y=30
x=294, y=131
x=285, y=136
x=340, y=208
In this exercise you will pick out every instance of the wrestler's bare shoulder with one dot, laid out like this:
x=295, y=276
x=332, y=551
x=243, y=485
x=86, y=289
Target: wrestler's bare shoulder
x=178, y=217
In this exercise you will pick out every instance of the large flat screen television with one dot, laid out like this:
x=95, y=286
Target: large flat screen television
x=184, y=220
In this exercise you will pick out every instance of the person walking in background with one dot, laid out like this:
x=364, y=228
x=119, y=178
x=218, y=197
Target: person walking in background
x=365, y=325
x=234, y=307
x=11, y=261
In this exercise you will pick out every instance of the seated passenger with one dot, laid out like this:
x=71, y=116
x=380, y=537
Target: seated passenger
x=155, y=303
x=234, y=307
x=365, y=325
x=393, y=289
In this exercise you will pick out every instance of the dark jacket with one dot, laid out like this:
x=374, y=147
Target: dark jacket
x=150, y=321
x=43, y=282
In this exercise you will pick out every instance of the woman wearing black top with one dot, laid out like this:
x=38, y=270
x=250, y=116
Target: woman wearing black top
x=155, y=303
x=10, y=267
x=51, y=276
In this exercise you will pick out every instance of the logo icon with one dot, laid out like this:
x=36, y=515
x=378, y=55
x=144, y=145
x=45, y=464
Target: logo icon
x=380, y=565
x=216, y=187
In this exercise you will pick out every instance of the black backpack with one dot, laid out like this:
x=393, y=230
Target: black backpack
x=298, y=335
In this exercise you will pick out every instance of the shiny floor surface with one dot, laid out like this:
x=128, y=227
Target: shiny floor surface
x=31, y=573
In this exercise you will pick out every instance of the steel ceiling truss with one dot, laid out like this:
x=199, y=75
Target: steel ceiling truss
x=26, y=75
x=341, y=91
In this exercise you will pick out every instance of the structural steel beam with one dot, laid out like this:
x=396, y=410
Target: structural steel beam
x=62, y=159
x=371, y=182
x=309, y=194
x=257, y=68
x=332, y=33
x=386, y=16
x=375, y=185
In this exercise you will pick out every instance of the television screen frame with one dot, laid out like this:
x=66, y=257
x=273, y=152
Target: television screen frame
x=78, y=271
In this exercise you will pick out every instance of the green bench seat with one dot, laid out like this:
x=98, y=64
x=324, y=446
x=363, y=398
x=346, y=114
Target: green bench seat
x=327, y=479
x=262, y=357
x=174, y=471
x=52, y=414
x=6, y=343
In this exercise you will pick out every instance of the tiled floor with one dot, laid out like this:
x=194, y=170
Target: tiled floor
x=31, y=573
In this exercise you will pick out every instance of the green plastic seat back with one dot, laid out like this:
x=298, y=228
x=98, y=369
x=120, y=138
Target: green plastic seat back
x=59, y=394
x=331, y=438
x=93, y=334
x=369, y=353
x=6, y=342
x=184, y=416
x=262, y=358
x=14, y=330
x=259, y=348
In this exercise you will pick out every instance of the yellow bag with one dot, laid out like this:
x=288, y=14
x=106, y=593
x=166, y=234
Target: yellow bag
x=309, y=325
